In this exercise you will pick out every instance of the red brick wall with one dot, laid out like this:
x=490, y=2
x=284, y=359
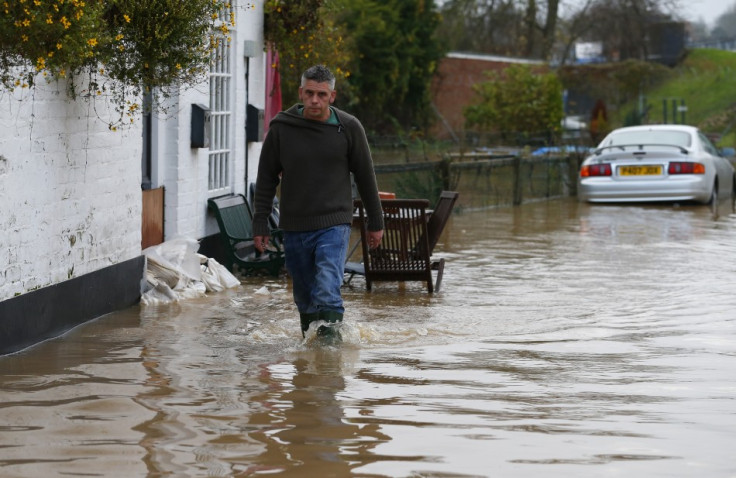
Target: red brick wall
x=452, y=88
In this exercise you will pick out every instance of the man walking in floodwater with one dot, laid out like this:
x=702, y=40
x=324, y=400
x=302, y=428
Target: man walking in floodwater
x=311, y=149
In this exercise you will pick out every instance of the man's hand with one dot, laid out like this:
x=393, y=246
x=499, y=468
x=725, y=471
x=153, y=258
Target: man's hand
x=374, y=239
x=261, y=243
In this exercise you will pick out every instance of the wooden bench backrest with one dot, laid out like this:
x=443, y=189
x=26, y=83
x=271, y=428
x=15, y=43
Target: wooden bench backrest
x=440, y=216
x=403, y=254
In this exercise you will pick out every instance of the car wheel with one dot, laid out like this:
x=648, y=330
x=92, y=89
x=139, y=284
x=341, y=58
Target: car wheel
x=714, y=194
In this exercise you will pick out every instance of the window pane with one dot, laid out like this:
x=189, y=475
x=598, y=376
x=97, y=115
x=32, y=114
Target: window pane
x=221, y=112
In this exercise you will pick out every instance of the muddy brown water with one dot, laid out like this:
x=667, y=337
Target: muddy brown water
x=567, y=340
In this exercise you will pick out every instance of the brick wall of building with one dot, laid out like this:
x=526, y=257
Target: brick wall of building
x=70, y=199
x=452, y=87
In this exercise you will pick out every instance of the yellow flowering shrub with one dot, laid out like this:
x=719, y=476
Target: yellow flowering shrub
x=46, y=36
x=114, y=47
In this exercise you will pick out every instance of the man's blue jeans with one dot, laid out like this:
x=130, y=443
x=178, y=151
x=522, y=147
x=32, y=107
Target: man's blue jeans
x=316, y=262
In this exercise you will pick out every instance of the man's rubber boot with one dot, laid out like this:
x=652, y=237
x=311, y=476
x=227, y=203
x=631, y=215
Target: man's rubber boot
x=307, y=319
x=329, y=333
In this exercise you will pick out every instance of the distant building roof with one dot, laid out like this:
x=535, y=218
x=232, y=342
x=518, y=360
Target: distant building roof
x=496, y=58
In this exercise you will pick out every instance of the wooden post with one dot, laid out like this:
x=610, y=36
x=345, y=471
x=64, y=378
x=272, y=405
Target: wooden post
x=517, y=180
x=443, y=169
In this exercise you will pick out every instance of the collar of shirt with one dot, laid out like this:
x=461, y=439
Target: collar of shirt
x=331, y=120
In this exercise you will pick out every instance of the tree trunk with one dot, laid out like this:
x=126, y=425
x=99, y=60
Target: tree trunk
x=550, y=28
x=530, y=20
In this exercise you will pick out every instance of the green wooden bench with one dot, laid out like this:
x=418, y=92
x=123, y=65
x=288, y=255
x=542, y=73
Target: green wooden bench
x=235, y=219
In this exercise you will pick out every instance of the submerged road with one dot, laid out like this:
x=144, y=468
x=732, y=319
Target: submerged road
x=567, y=340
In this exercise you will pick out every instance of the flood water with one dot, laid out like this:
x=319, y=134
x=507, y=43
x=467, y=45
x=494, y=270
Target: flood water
x=567, y=340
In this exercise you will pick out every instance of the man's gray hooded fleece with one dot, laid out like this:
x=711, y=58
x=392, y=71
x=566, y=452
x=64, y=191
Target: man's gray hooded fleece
x=313, y=160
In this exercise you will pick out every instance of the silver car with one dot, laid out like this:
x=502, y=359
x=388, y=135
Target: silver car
x=655, y=163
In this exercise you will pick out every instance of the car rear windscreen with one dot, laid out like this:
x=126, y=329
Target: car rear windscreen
x=677, y=138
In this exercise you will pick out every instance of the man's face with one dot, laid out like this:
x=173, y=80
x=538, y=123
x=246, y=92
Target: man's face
x=317, y=98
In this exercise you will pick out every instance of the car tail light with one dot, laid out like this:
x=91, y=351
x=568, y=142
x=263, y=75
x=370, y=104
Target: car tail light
x=603, y=169
x=686, y=168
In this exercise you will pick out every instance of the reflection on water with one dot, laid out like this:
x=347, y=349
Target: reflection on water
x=568, y=340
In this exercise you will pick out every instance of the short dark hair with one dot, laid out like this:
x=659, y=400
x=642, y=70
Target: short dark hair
x=320, y=74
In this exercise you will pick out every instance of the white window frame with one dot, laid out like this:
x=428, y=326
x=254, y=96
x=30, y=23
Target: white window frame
x=220, y=158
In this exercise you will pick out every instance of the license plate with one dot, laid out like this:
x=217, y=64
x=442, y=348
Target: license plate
x=640, y=170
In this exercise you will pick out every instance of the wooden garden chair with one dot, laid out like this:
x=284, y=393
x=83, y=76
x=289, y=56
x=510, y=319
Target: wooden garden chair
x=406, y=249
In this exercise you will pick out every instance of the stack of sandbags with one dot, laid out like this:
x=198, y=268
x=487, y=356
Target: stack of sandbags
x=175, y=271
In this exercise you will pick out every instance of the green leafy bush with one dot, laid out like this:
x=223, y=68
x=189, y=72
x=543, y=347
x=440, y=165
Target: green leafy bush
x=517, y=100
x=305, y=34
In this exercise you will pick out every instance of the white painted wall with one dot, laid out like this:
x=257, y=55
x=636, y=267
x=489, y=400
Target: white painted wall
x=182, y=170
x=70, y=189
x=70, y=200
